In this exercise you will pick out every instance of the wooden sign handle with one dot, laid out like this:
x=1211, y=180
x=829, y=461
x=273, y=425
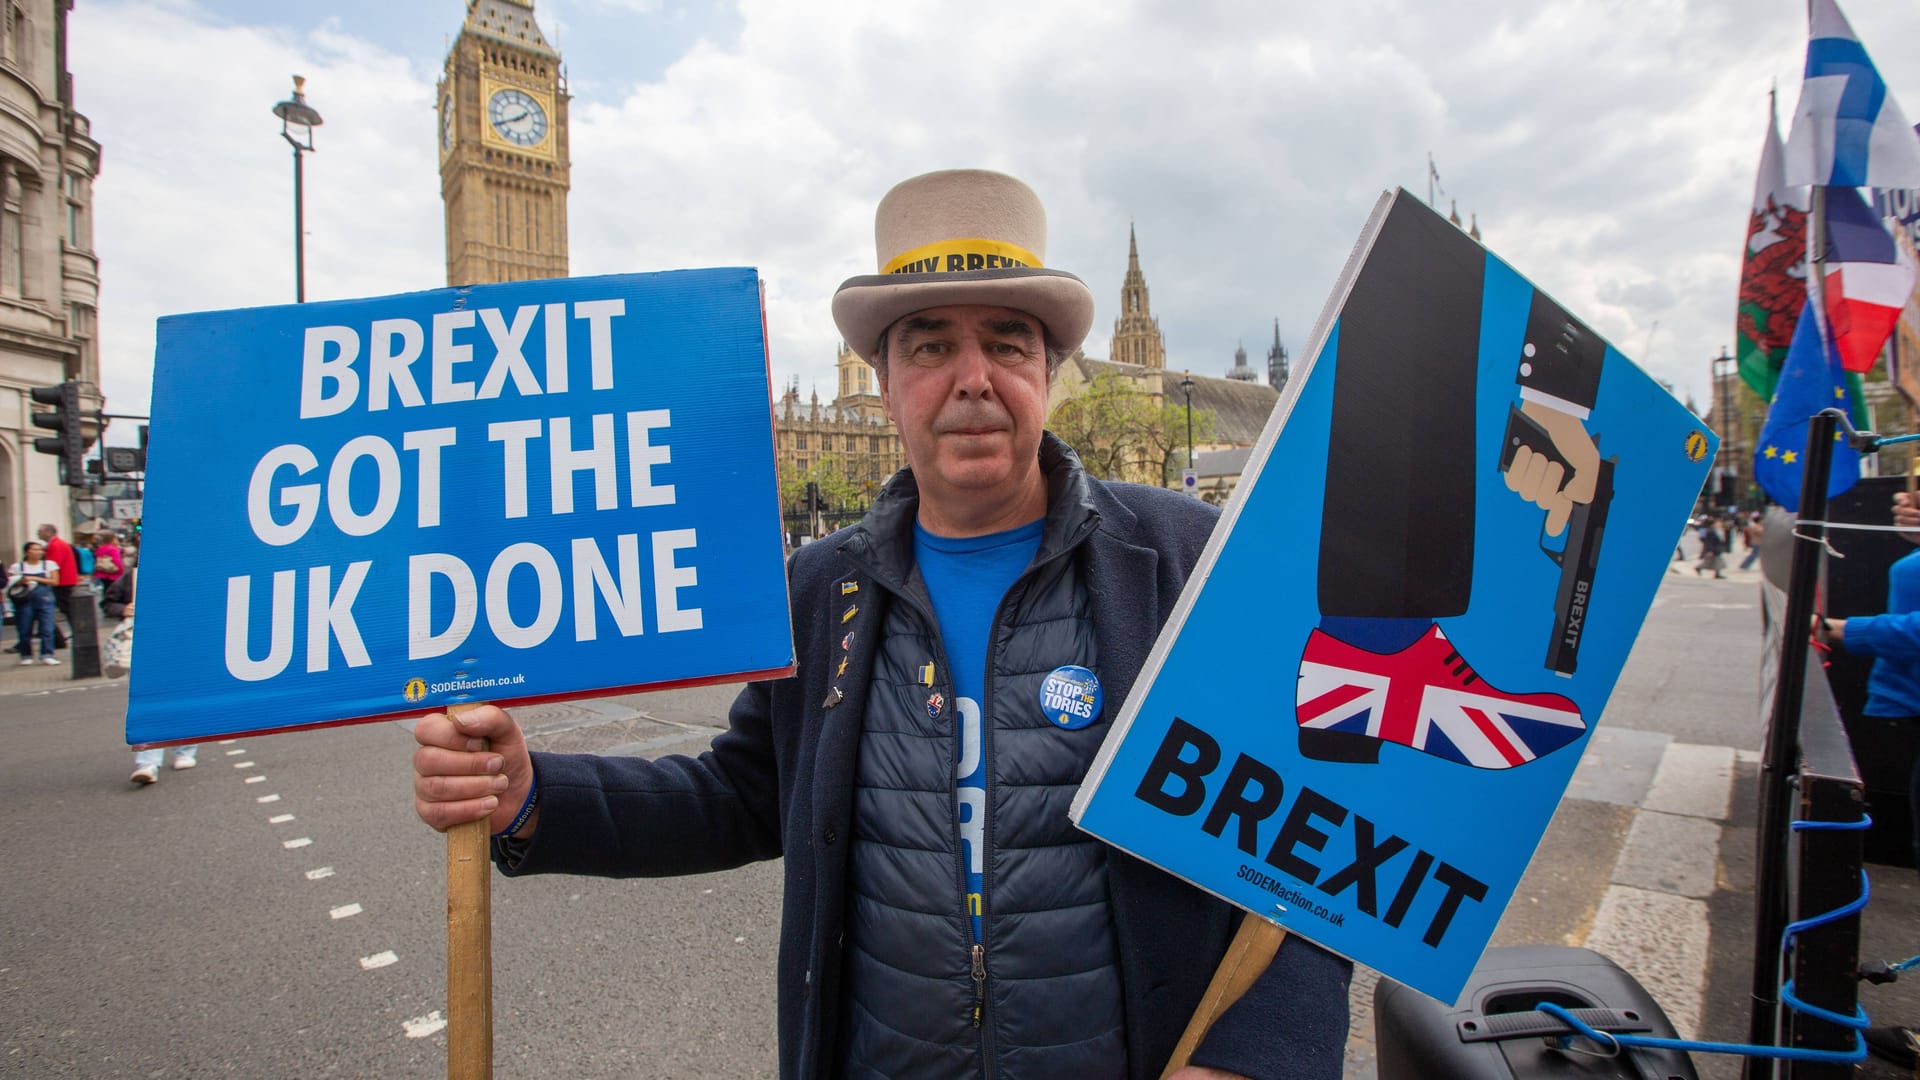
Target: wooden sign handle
x=469, y=947
x=1247, y=956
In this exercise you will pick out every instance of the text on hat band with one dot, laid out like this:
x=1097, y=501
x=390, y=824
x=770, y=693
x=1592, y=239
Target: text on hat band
x=961, y=254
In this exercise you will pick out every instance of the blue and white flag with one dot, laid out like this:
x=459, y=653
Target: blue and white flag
x=1847, y=129
x=1811, y=380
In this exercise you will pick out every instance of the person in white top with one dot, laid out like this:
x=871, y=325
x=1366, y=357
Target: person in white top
x=33, y=614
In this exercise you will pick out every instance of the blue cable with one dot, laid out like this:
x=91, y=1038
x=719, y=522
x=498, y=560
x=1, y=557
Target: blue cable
x=1610, y=1044
x=1865, y=822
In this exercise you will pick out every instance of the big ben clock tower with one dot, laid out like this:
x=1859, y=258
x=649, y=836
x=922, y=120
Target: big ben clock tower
x=504, y=164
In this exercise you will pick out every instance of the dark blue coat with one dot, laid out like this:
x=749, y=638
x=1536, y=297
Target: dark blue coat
x=779, y=781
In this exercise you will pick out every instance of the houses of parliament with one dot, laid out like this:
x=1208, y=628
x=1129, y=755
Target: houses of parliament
x=505, y=170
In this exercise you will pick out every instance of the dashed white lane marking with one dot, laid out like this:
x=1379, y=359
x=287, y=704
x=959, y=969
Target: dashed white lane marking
x=345, y=911
x=422, y=1026
x=320, y=872
x=235, y=753
x=266, y=798
x=302, y=842
x=243, y=764
x=228, y=742
x=378, y=960
x=256, y=779
x=279, y=819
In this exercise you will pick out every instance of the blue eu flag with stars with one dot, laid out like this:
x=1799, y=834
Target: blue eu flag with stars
x=1810, y=380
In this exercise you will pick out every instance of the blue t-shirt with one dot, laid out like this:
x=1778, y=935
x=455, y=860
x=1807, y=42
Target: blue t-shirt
x=1894, y=640
x=967, y=578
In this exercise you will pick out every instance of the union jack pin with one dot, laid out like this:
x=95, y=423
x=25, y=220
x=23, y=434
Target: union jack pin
x=934, y=704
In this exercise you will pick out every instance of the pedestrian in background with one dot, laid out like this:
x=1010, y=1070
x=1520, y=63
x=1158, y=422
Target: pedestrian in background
x=1750, y=532
x=83, y=561
x=116, y=602
x=1713, y=546
x=33, y=615
x=109, y=562
x=118, y=605
x=60, y=553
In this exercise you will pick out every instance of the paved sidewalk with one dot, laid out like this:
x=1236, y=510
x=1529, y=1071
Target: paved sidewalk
x=16, y=677
x=1640, y=830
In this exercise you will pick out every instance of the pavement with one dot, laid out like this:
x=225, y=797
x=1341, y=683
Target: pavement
x=15, y=676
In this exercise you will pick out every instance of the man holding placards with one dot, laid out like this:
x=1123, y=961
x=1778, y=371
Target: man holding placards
x=960, y=652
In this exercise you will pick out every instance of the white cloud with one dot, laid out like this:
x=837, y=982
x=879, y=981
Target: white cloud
x=194, y=205
x=1607, y=149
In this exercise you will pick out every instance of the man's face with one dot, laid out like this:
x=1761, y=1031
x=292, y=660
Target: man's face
x=47, y=532
x=967, y=387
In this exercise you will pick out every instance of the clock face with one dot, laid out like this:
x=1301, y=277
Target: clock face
x=446, y=122
x=517, y=117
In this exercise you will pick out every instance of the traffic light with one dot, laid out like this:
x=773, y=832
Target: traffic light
x=70, y=446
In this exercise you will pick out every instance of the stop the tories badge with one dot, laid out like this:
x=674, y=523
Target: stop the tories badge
x=1070, y=696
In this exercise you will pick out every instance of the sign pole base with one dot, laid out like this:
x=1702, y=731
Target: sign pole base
x=469, y=949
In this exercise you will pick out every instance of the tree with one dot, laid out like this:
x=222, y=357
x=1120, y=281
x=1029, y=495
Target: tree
x=837, y=489
x=1121, y=433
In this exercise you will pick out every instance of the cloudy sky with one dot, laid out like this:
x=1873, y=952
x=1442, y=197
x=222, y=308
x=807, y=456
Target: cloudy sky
x=1607, y=148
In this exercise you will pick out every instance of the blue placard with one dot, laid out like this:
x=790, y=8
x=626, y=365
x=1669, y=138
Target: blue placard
x=1436, y=652
x=502, y=493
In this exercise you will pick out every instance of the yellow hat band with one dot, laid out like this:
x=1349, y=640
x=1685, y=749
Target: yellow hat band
x=958, y=255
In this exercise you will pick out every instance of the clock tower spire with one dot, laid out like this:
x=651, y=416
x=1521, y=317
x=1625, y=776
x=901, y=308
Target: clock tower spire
x=504, y=159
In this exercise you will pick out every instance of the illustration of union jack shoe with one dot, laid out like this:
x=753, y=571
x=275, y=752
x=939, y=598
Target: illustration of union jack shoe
x=1425, y=697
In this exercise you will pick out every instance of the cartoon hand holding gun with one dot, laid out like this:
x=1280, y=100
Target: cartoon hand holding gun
x=1549, y=459
x=1558, y=475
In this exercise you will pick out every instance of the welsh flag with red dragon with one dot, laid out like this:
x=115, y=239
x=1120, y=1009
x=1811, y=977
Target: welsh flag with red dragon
x=1773, y=278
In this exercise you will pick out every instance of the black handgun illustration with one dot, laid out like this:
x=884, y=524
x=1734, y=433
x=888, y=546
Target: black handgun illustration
x=1581, y=558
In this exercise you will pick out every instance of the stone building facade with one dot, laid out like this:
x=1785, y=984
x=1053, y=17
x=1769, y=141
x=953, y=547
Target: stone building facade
x=848, y=438
x=1238, y=402
x=49, y=274
x=1136, y=333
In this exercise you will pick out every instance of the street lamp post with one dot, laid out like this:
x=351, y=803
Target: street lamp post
x=1186, y=385
x=1723, y=372
x=297, y=121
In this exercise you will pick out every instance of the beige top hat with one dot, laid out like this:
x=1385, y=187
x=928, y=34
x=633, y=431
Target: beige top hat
x=961, y=236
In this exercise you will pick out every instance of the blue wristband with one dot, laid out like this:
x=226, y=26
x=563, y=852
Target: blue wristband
x=526, y=810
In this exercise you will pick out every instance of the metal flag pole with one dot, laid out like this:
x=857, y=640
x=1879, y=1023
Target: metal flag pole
x=1781, y=760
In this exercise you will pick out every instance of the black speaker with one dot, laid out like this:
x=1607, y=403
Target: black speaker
x=1497, y=1030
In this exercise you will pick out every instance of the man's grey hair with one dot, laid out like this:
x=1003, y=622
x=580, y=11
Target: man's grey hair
x=1055, y=354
